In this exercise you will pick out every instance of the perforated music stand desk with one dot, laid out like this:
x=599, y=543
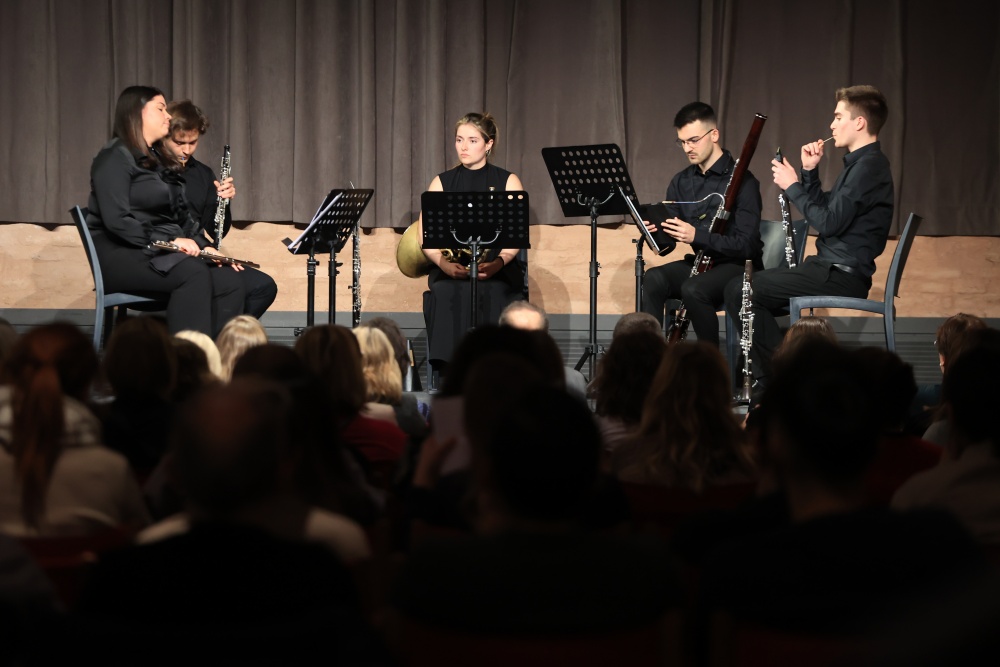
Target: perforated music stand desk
x=493, y=219
x=334, y=222
x=586, y=180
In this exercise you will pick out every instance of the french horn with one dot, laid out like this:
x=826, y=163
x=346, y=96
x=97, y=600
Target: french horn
x=412, y=261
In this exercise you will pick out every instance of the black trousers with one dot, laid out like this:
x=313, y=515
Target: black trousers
x=703, y=295
x=261, y=291
x=202, y=296
x=772, y=290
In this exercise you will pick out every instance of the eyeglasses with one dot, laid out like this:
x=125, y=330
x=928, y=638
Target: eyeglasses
x=681, y=143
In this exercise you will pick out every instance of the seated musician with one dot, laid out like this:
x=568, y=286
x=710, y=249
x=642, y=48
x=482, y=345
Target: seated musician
x=136, y=200
x=852, y=220
x=710, y=171
x=501, y=278
x=202, y=192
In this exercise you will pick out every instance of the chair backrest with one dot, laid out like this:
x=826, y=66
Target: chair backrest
x=899, y=257
x=80, y=218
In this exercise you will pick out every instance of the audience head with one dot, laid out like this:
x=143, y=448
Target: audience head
x=140, y=361
x=229, y=444
x=950, y=337
x=536, y=347
x=538, y=459
x=237, y=336
x=688, y=430
x=193, y=373
x=524, y=315
x=332, y=352
x=45, y=364
x=637, y=322
x=807, y=328
x=967, y=390
x=891, y=382
x=208, y=346
x=382, y=379
x=389, y=327
x=820, y=417
x=625, y=373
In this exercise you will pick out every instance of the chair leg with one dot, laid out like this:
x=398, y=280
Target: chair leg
x=99, y=315
x=890, y=333
x=109, y=323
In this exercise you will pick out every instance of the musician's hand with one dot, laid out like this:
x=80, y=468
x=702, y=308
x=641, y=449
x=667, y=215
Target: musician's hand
x=811, y=154
x=187, y=246
x=489, y=269
x=226, y=189
x=209, y=250
x=453, y=269
x=679, y=229
x=650, y=227
x=784, y=174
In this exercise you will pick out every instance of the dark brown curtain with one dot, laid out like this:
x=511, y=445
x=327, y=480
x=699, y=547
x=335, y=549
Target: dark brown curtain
x=314, y=94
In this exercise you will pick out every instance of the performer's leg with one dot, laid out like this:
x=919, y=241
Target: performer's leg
x=228, y=296
x=703, y=295
x=187, y=285
x=662, y=283
x=261, y=291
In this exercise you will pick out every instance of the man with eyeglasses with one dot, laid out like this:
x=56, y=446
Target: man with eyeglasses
x=709, y=172
x=852, y=221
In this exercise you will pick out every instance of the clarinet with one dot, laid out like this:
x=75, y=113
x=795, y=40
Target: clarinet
x=356, y=286
x=702, y=262
x=786, y=222
x=746, y=335
x=220, y=208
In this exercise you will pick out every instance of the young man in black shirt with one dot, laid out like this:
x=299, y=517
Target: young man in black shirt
x=202, y=192
x=852, y=221
x=710, y=170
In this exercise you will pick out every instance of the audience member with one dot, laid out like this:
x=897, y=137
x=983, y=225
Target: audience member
x=237, y=336
x=208, y=346
x=805, y=329
x=966, y=481
x=193, y=373
x=637, y=321
x=528, y=316
x=688, y=436
x=623, y=380
x=949, y=342
x=384, y=384
x=58, y=478
x=531, y=567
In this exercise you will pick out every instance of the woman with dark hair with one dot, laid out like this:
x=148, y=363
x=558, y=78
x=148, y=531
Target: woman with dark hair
x=57, y=477
x=135, y=200
x=688, y=436
x=501, y=279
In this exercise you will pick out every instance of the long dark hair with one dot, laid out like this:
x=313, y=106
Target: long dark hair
x=128, y=117
x=45, y=364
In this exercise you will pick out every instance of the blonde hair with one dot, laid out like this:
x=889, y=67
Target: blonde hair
x=207, y=346
x=239, y=335
x=383, y=378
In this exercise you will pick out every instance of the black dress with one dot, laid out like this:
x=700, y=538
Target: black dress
x=448, y=310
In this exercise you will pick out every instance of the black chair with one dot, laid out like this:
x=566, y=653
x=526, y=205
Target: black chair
x=885, y=308
x=106, y=303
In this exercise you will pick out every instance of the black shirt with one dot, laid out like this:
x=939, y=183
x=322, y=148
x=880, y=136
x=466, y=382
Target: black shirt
x=853, y=218
x=136, y=204
x=741, y=240
x=203, y=198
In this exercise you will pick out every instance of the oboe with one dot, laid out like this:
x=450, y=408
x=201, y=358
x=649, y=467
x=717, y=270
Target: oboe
x=746, y=335
x=222, y=259
x=220, y=208
x=356, y=283
x=786, y=221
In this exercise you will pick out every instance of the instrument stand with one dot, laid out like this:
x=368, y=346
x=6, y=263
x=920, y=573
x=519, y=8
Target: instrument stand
x=335, y=220
x=466, y=218
x=640, y=271
x=586, y=180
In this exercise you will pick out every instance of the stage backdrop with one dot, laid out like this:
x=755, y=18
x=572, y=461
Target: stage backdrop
x=314, y=94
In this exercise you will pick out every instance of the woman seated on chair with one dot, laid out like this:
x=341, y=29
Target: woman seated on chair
x=449, y=313
x=136, y=200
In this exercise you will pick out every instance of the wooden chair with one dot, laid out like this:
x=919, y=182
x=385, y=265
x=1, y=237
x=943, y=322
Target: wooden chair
x=105, y=304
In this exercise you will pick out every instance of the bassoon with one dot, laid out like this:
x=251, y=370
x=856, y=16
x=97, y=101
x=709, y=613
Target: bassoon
x=702, y=261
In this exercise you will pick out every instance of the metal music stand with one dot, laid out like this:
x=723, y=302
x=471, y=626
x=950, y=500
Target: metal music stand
x=587, y=180
x=467, y=218
x=335, y=220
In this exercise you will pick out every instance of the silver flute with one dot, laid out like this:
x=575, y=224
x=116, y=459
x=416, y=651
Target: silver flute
x=746, y=335
x=220, y=207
